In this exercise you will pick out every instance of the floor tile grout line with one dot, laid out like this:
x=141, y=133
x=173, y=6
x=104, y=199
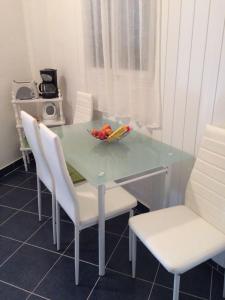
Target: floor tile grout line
x=7, y=174
x=13, y=187
x=182, y=292
x=27, y=172
x=154, y=280
x=129, y=275
x=46, y=274
x=17, y=211
x=24, y=188
x=22, y=289
x=116, y=247
x=10, y=238
x=92, y=290
x=6, y=193
x=110, y=232
x=17, y=169
x=33, y=245
x=192, y=295
x=23, y=210
x=2, y=264
x=30, y=176
x=31, y=212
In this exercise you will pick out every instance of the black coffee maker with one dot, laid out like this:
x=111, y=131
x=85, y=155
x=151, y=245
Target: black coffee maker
x=48, y=88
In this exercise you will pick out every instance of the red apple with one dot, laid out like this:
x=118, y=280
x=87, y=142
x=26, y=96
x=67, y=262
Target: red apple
x=102, y=135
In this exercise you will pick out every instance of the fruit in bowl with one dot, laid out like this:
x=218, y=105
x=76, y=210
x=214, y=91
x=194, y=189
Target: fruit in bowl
x=107, y=133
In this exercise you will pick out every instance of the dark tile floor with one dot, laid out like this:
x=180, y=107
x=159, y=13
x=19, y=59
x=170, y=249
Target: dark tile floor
x=31, y=268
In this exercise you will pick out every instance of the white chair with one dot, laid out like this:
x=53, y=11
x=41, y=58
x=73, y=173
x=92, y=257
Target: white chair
x=184, y=236
x=83, y=108
x=80, y=202
x=31, y=130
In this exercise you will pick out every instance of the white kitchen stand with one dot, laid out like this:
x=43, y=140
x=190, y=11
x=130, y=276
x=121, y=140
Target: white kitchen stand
x=24, y=147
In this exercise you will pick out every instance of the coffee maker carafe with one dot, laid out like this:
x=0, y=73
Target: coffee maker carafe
x=48, y=88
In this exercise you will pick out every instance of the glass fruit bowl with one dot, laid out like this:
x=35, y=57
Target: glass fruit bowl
x=107, y=134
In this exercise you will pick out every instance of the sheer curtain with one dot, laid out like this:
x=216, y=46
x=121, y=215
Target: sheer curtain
x=121, y=45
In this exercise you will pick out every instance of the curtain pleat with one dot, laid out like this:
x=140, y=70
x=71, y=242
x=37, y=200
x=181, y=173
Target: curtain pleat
x=122, y=57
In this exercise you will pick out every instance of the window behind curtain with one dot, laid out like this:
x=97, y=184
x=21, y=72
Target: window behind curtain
x=133, y=21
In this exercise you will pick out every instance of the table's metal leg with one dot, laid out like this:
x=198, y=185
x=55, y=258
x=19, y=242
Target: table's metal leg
x=101, y=229
x=166, y=201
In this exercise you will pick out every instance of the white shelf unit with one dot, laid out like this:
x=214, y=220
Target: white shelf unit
x=17, y=107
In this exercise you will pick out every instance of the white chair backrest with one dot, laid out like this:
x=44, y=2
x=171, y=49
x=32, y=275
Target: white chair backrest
x=83, y=108
x=205, y=192
x=32, y=133
x=64, y=189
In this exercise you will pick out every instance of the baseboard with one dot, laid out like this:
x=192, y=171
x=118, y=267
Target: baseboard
x=11, y=167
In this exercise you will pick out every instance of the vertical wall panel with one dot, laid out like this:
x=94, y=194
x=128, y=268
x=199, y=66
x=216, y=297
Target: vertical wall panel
x=219, y=102
x=171, y=69
x=215, y=37
x=193, y=70
x=165, y=5
x=202, y=13
x=183, y=68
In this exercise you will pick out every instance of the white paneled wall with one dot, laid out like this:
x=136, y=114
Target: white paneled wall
x=193, y=70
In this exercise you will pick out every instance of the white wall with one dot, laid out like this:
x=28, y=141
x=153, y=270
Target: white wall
x=52, y=40
x=14, y=64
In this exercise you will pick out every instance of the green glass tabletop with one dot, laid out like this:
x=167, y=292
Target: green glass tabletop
x=101, y=162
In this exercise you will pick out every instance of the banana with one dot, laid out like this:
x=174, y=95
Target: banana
x=117, y=133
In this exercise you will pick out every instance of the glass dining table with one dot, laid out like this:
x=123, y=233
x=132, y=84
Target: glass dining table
x=108, y=165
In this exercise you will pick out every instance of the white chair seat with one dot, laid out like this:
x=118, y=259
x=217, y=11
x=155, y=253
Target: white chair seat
x=117, y=200
x=177, y=237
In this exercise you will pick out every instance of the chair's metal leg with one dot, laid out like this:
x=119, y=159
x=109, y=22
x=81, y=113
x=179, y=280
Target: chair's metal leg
x=58, y=225
x=28, y=157
x=53, y=218
x=176, y=287
x=134, y=253
x=224, y=285
x=24, y=161
x=39, y=197
x=76, y=253
x=130, y=237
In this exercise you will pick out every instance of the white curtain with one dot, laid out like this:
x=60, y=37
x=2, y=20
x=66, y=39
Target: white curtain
x=121, y=45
